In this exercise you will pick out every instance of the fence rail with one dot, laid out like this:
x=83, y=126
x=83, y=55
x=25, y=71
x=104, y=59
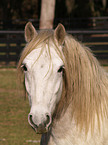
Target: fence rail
x=12, y=43
x=97, y=40
x=69, y=23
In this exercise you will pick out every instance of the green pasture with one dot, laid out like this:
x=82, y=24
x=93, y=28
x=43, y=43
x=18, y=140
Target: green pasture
x=14, y=109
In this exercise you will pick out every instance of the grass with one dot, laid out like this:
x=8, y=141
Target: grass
x=14, y=109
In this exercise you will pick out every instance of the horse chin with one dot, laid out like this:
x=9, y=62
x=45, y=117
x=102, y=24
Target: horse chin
x=41, y=130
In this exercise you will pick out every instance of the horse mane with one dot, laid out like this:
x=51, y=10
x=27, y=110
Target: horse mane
x=85, y=83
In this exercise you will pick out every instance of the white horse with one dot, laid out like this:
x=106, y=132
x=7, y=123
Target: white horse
x=67, y=89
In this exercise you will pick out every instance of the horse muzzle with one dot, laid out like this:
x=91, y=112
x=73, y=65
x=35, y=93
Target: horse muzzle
x=42, y=127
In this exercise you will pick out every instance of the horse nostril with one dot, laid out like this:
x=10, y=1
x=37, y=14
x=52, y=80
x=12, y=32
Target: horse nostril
x=30, y=118
x=48, y=120
x=31, y=121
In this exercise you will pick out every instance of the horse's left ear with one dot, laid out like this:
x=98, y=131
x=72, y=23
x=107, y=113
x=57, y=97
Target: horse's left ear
x=59, y=34
x=30, y=32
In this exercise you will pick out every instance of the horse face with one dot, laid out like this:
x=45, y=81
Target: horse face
x=43, y=82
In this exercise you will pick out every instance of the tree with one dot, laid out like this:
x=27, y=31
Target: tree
x=29, y=9
x=104, y=2
x=70, y=4
x=47, y=14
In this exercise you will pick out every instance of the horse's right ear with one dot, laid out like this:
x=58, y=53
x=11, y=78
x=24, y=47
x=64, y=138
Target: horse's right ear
x=30, y=32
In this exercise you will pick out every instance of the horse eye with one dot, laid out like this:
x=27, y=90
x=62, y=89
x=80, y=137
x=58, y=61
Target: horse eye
x=61, y=69
x=24, y=68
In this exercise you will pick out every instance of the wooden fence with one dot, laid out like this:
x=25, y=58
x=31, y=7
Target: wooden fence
x=12, y=43
x=97, y=41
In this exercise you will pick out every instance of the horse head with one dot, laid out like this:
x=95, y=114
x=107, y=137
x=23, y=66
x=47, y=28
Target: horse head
x=43, y=69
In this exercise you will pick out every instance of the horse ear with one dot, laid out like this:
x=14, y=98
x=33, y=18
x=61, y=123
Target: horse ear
x=30, y=32
x=59, y=34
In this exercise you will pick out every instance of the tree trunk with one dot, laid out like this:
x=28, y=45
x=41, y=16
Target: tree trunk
x=104, y=3
x=47, y=14
x=70, y=4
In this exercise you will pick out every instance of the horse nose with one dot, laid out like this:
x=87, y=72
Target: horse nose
x=42, y=126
